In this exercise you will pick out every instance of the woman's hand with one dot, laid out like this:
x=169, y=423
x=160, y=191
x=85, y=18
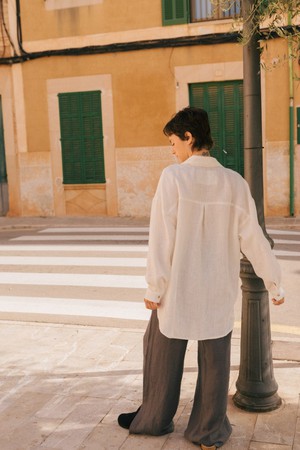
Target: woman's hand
x=151, y=305
x=278, y=302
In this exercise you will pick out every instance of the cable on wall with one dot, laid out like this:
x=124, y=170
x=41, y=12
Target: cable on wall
x=183, y=41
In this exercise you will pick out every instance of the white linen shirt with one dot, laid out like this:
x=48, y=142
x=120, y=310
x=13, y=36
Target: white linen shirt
x=202, y=218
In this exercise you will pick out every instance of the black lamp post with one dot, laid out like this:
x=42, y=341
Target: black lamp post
x=256, y=385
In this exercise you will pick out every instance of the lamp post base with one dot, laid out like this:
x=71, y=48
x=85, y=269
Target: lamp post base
x=257, y=404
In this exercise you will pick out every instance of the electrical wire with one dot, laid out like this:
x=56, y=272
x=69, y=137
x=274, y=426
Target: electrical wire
x=19, y=29
x=125, y=47
x=3, y=26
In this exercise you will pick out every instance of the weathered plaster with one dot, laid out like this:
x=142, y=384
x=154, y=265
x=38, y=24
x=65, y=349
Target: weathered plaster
x=138, y=172
x=36, y=183
x=277, y=178
x=62, y=4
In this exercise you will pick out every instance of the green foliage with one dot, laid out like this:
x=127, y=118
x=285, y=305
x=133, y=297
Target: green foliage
x=273, y=16
x=268, y=19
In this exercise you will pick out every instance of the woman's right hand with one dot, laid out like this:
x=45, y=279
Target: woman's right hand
x=151, y=305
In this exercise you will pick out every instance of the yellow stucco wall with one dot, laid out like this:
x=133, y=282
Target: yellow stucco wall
x=277, y=91
x=108, y=16
x=143, y=87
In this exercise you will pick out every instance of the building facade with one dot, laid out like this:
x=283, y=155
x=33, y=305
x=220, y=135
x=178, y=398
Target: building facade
x=87, y=85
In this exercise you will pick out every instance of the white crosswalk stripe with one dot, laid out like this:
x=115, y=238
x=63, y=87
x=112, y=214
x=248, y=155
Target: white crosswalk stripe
x=74, y=248
x=285, y=232
x=286, y=253
x=80, y=237
x=72, y=261
x=65, y=279
x=86, y=308
x=96, y=230
x=286, y=241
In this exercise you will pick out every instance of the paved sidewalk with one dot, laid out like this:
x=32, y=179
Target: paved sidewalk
x=63, y=386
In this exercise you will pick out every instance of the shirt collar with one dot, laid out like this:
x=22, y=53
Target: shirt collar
x=203, y=161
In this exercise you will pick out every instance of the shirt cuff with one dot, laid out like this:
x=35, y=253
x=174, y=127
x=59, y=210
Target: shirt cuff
x=152, y=296
x=278, y=294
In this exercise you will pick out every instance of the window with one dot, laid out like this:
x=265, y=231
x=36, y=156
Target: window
x=81, y=137
x=175, y=11
x=223, y=102
x=206, y=10
x=184, y=11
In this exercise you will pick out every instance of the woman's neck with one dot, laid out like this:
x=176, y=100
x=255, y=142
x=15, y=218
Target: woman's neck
x=201, y=152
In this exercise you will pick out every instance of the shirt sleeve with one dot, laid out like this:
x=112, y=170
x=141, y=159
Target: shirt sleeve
x=162, y=234
x=255, y=246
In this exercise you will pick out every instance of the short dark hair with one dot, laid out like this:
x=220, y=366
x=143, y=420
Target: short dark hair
x=192, y=119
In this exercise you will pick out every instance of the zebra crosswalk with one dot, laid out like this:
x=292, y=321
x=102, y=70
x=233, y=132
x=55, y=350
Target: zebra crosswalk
x=76, y=275
x=89, y=275
x=287, y=243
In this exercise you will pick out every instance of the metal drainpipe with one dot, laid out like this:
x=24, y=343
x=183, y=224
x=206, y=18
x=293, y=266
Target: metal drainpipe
x=291, y=119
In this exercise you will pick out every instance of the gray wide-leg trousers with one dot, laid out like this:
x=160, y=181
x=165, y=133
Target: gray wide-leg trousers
x=163, y=368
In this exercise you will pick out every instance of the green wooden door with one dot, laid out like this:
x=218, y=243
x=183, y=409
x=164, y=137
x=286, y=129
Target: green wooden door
x=81, y=137
x=223, y=102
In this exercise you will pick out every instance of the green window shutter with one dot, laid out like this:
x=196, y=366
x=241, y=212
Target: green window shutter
x=213, y=99
x=233, y=126
x=81, y=137
x=207, y=96
x=223, y=102
x=175, y=12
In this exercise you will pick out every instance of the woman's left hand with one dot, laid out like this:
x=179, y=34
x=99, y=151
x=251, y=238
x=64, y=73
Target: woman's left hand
x=151, y=305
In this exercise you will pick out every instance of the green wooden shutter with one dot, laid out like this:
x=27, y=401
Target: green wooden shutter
x=81, y=137
x=207, y=96
x=232, y=126
x=223, y=102
x=175, y=12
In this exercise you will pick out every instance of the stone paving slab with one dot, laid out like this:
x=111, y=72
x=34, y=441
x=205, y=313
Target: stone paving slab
x=63, y=386
x=286, y=350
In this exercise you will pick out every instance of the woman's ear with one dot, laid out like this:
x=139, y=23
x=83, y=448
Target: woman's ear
x=188, y=136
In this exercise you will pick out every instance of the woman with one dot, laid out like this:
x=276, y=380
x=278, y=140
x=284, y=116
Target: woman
x=202, y=217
